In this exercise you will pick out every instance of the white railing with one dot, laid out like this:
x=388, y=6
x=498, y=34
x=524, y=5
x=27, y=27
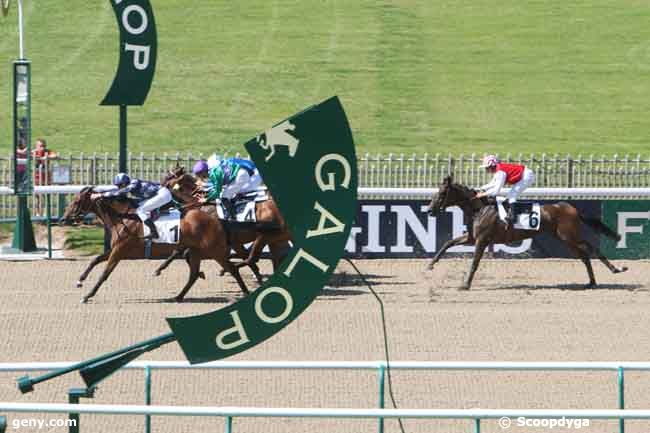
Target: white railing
x=272, y=412
x=408, y=192
x=379, y=366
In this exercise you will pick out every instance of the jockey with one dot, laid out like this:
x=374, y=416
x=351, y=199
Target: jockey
x=517, y=175
x=226, y=178
x=149, y=195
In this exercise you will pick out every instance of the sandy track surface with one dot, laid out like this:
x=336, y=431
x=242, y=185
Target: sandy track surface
x=517, y=310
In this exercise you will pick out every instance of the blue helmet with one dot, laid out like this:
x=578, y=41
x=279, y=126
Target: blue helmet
x=121, y=179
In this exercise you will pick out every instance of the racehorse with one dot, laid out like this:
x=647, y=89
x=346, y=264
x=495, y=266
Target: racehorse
x=199, y=233
x=561, y=220
x=269, y=229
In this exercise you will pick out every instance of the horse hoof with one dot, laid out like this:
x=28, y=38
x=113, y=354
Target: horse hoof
x=202, y=275
x=222, y=272
x=430, y=266
x=156, y=274
x=83, y=301
x=622, y=269
x=464, y=287
x=79, y=285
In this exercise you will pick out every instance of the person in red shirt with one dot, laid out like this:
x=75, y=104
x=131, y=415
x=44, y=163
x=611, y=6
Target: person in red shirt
x=42, y=171
x=517, y=175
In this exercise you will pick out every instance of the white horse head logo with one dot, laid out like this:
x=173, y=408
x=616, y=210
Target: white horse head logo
x=278, y=136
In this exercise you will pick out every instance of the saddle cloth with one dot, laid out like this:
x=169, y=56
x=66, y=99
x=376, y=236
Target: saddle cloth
x=245, y=206
x=168, y=226
x=527, y=214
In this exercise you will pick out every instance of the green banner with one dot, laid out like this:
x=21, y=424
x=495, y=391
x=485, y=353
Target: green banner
x=138, y=49
x=309, y=164
x=631, y=220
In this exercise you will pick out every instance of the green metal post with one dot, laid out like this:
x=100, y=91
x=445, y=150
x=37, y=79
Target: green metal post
x=73, y=398
x=61, y=206
x=48, y=214
x=147, y=397
x=621, y=398
x=123, y=139
x=23, y=232
x=382, y=381
x=74, y=394
x=228, y=424
x=477, y=425
x=3, y=424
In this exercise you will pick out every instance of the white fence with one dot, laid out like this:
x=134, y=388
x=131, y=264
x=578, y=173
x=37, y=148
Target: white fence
x=374, y=171
x=379, y=366
x=423, y=193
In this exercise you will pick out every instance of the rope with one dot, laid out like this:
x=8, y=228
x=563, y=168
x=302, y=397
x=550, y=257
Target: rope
x=385, y=334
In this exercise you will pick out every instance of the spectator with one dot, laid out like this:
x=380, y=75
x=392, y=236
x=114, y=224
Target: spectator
x=21, y=166
x=42, y=174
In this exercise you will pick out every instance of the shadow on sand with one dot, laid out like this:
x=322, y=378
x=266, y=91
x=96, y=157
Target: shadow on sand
x=577, y=287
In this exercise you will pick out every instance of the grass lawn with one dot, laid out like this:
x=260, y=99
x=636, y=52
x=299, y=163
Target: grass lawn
x=85, y=240
x=413, y=75
x=6, y=230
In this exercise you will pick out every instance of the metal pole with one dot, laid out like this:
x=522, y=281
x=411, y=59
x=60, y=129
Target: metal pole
x=147, y=397
x=123, y=140
x=48, y=214
x=3, y=424
x=228, y=424
x=381, y=376
x=477, y=425
x=73, y=398
x=621, y=398
x=20, y=30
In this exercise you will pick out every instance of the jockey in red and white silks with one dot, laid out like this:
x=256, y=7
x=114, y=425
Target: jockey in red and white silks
x=517, y=175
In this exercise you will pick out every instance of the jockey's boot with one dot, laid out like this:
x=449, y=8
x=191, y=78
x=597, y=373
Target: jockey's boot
x=229, y=204
x=153, y=233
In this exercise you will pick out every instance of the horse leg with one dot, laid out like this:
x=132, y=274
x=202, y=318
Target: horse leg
x=176, y=254
x=253, y=257
x=279, y=251
x=234, y=271
x=187, y=254
x=194, y=262
x=97, y=260
x=607, y=263
x=582, y=250
x=478, y=254
x=460, y=240
x=113, y=260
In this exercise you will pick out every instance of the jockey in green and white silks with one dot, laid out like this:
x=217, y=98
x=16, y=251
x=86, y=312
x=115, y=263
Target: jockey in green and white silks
x=226, y=178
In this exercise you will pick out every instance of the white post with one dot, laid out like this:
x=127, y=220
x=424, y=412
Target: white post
x=20, y=29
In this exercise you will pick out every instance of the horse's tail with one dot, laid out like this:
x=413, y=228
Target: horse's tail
x=600, y=227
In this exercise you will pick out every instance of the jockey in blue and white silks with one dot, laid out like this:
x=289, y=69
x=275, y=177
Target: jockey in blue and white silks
x=149, y=196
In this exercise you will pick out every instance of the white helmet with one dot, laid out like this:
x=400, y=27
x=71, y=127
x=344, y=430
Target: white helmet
x=213, y=160
x=489, y=161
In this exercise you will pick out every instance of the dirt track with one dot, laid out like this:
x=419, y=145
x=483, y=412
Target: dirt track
x=518, y=310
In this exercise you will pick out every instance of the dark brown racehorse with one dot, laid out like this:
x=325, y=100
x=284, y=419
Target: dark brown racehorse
x=270, y=228
x=561, y=220
x=198, y=232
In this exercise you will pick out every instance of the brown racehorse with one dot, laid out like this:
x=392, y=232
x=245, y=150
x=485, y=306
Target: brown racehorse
x=561, y=220
x=270, y=228
x=198, y=232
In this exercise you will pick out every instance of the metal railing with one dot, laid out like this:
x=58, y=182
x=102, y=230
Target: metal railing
x=375, y=171
x=379, y=366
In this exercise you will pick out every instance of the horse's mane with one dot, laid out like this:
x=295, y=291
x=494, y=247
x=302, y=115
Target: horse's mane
x=470, y=192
